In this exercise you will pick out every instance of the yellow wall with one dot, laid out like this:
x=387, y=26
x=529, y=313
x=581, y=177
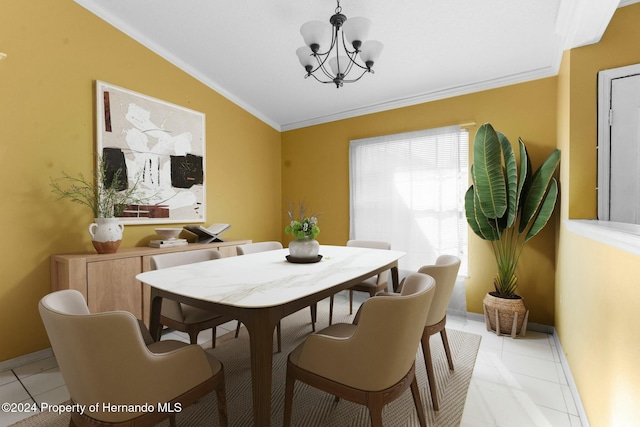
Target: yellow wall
x=597, y=286
x=316, y=168
x=56, y=50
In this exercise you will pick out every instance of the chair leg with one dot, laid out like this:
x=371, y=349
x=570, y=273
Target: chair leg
x=426, y=350
x=314, y=314
x=193, y=337
x=288, y=398
x=350, y=301
x=375, y=405
x=279, y=334
x=447, y=350
x=221, y=397
x=331, y=310
x=415, y=392
x=238, y=329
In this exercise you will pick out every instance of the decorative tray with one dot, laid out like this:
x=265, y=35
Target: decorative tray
x=303, y=260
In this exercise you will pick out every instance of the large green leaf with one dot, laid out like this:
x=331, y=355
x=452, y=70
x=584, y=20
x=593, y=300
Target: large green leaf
x=511, y=169
x=476, y=219
x=539, y=185
x=525, y=173
x=489, y=178
x=545, y=211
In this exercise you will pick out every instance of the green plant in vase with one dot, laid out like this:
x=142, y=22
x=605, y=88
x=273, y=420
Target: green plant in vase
x=107, y=194
x=508, y=205
x=305, y=230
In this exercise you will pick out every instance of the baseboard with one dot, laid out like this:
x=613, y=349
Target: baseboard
x=537, y=327
x=570, y=381
x=25, y=359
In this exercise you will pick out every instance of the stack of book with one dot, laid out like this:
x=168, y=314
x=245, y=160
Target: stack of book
x=168, y=243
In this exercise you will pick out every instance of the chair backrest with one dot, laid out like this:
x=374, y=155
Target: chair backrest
x=103, y=357
x=383, y=347
x=252, y=248
x=445, y=272
x=373, y=244
x=174, y=259
x=171, y=308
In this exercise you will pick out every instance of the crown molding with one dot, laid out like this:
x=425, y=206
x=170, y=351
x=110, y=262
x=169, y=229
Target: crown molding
x=428, y=97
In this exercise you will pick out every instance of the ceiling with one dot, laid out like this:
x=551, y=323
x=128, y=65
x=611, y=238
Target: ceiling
x=434, y=49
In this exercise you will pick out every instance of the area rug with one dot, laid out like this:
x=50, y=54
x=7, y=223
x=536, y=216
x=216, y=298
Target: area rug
x=312, y=407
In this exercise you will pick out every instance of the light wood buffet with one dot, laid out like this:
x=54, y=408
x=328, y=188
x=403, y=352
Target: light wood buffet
x=108, y=281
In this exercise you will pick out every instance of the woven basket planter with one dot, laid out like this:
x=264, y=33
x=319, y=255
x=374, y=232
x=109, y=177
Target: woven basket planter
x=505, y=316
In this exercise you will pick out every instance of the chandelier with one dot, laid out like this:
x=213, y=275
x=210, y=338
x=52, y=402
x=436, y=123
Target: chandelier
x=341, y=61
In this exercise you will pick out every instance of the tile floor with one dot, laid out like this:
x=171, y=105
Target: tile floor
x=516, y=382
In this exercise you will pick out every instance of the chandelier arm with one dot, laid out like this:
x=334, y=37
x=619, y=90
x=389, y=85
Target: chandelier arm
x=316, y=77
x=352, y=55
x=355, y=80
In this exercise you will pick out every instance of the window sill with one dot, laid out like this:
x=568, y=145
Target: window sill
x=616, y=234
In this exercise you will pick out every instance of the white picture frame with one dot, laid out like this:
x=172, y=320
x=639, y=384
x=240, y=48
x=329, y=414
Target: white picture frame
x=157, y=146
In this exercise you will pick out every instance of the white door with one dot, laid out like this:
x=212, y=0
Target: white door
x=619, y=157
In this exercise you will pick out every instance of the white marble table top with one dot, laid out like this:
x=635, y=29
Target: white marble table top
x=267, y=279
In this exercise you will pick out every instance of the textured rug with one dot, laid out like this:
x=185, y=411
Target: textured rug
x=312, y=407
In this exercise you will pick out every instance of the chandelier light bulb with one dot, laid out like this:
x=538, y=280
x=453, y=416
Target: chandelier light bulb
x=356, y=31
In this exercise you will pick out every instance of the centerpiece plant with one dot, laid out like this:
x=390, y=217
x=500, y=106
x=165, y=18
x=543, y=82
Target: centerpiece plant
x=508, y=204
x=305, y=247
x=302, y=226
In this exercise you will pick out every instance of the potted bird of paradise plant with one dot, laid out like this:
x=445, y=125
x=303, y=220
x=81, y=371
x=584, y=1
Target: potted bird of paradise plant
x=507, y=205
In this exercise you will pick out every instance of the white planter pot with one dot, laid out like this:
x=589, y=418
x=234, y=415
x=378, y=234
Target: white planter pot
x=106, y=235
x=304, y=248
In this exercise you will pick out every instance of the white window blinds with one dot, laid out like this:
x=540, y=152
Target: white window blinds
x=408, y=189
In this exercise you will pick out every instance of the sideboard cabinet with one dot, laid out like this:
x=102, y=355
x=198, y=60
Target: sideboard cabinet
x=108, y=281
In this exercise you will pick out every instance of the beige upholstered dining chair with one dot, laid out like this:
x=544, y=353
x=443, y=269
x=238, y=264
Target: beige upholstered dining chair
x=445, y=272
x=373, y=284
x=109, y=358
x=252, y=248
x=332, y=359
x=183, y=317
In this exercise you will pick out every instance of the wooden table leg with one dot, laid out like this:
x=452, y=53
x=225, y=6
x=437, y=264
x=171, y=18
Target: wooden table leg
x=154, y=317
x=394, y=278
x=260, y=326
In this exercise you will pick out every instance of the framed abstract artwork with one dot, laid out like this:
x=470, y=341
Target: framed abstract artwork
x=156, y=147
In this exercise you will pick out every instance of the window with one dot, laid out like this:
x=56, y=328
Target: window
x=408, y=189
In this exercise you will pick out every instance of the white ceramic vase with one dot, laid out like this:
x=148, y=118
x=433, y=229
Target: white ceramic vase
x=106, y=235
x=305, y=248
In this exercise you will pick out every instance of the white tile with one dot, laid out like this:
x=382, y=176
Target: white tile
x=542, y=393
x=575, y=421
x=531, y=366
x=7, y=377
x=36, y=367
x=9, y=418
x=534, y=346
x=13, y=392
x=53, y=397
x=43, y=381
x=562, y=378
x=556, y=418
x=569, y=400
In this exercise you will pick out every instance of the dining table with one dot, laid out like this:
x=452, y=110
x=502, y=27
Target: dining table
x=262, y=288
